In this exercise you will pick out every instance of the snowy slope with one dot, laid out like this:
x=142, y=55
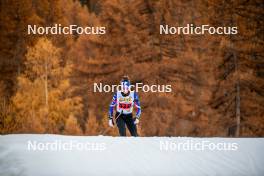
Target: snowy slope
x=128, y=156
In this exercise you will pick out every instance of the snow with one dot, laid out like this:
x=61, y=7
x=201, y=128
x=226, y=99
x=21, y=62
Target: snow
x=125, y=156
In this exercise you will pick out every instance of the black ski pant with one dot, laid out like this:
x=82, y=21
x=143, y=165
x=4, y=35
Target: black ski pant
x=126, y=120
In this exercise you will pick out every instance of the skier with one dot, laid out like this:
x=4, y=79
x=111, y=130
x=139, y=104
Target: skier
x=124, y=101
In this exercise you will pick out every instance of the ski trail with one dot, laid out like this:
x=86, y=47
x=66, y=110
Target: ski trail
x=141, y=156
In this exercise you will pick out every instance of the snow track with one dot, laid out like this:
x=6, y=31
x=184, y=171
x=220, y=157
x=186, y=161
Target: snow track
x=129, y=156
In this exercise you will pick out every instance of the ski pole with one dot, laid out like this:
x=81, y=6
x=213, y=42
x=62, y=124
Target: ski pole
x=119, y=115
x=108, y=128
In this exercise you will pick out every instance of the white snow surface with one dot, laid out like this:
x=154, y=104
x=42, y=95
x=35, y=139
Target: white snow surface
x=128, y=156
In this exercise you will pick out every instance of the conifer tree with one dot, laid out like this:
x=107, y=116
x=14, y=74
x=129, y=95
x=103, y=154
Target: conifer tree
x=44, y=92
x=238, y=94
x=72, y=127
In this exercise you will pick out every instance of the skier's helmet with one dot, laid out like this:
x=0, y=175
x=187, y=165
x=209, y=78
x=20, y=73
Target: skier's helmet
x=125, y=83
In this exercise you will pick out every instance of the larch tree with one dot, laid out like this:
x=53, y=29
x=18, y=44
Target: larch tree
x=238, y=95
x=92, y=126
x=14, y=18
x=44, y=91
x=72, y=126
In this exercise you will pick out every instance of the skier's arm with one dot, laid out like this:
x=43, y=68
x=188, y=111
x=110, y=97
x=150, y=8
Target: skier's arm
x=112, y=105
x=137, y=104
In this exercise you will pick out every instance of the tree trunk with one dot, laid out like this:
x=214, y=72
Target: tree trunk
x=46, y=84
x=237, y=97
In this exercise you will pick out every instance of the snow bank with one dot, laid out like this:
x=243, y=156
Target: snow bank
x=56, y=155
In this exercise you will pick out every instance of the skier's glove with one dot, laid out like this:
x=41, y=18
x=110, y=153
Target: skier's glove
x=111, y=122
x=136, y=120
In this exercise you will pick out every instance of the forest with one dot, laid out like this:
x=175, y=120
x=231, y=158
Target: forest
x=217, y=81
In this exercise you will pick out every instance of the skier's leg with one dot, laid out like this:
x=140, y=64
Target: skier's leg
x=130, y=125
x=121, y=126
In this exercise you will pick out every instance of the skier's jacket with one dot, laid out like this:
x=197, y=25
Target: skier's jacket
x=125, y=104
